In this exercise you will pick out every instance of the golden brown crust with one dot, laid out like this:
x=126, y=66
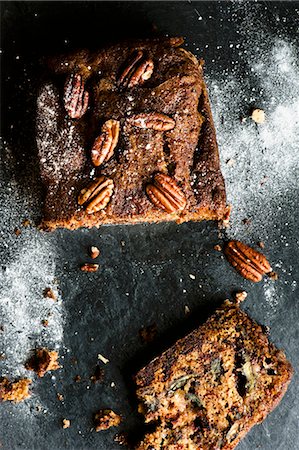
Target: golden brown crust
x=212, y=386
x=175, y=90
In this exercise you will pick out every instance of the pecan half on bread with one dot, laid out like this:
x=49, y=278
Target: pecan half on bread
x=75, y=97
x=97, y=195
x=165, y=193
x=137, y=70
x=104, y=145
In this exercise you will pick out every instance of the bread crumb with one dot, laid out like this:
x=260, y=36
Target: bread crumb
x=258, y=116
x=94, y=252
x=49, y=293
x=192, y=276
x=240, y=296
x=261, y=245
x=60, y=397
x=187, y=310
x=106, y=418
x=218, y=248
x=15, y=391
x=66, y=423
x=17, y=231
x=43, y=361
x=103, y=359
x=26, y=223
x=273, y=276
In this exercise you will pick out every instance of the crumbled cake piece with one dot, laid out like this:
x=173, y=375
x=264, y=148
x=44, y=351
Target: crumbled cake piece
x=14, y=391
x=66, y=423
x=106, y=418
x=43, y=361
x=49, y=293
x=94, y=252
x=129, y=138
x=212, y=386
x=258, y=115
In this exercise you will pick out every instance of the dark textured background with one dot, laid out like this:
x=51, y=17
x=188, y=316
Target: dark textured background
x=138, y=283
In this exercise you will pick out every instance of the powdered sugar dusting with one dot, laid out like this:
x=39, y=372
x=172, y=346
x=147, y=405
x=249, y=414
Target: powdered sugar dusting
x=265, y=168
x=28, y=267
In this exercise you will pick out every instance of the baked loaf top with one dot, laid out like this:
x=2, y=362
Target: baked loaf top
x=212, y=386
x=126, y=135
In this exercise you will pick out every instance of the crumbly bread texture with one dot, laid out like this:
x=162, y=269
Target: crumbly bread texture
x=43, y=361
x=14, y=391
x=212, y=386
x=172, y=85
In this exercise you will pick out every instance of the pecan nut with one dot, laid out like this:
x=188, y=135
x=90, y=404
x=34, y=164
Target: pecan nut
x=154, y=121
x=105, y=143
x=75, y=97
x=250, y=263
x=97, y=195
x=89, y=267
x=166, y=194
x=137, y=70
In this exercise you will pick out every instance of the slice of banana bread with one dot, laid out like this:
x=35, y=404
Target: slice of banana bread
x=212, y=386
x=126, y=135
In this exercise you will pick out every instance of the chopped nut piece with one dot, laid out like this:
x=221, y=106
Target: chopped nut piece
x=49, y=293
x=106, y=418
x=246, y=221
x=102, y=358
x=261, y=245
x=218, y=248
x=88, y=267
x=258, y=115
x=77, y=378
x=273, y=276
x=15, y=391
x=187, y=310
x=147, y=334
x=240, y=296
x=94, y=252
x=45, y=322
x=66, y=423
x=43, y=361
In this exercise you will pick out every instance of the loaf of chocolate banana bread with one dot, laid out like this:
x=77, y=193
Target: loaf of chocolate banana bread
x=212, y=386
x=126, y=135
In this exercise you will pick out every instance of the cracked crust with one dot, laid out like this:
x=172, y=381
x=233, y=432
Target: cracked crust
x=212, y=386
x=188, y=153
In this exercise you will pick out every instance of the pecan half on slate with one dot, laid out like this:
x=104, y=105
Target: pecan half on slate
x=154, y=121
x=105, y=143
x=97, y=195
x=165, y=193
x=137, y=70
x=250, y=263
x=75, y=97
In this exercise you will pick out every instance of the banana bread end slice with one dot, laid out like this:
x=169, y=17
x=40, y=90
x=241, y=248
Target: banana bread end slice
x=212, y=386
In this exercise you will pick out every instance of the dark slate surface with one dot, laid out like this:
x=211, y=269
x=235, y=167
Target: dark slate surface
x=138, y=283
